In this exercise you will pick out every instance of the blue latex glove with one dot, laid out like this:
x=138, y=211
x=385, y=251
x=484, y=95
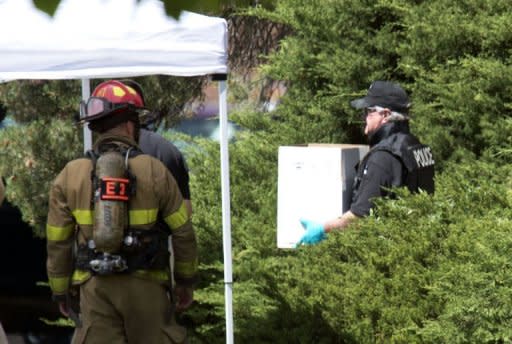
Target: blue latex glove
x=315, y=232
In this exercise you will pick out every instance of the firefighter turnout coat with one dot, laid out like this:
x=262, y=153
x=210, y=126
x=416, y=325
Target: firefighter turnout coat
x=71, y=215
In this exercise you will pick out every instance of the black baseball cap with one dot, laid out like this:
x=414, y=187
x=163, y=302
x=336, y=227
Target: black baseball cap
x=385, y=94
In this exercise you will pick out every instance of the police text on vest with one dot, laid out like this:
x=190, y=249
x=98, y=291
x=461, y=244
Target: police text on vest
x=423, y=157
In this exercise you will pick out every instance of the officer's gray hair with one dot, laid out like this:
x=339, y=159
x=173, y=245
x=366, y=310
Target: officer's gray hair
x=397, y=116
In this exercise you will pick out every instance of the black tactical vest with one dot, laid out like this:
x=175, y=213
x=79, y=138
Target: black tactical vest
x=416, y=158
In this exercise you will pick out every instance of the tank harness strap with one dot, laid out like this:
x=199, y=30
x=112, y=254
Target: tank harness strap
x=129, y=153
x=93, y=156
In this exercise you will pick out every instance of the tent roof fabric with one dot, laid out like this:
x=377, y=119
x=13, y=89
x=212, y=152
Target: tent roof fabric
x=107, y=39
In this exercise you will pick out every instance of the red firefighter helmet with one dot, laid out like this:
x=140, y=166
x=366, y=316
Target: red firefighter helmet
x=110, y=98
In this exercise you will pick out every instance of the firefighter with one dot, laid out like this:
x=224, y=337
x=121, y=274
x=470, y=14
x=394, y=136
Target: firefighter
x=396, y=158
x=104, y=236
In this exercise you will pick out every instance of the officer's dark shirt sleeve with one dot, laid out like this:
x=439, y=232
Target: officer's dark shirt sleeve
x=179, y=170
x=383, y=171
x=157, y=146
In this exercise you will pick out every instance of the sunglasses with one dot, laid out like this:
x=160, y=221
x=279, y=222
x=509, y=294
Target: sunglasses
x=371, y=109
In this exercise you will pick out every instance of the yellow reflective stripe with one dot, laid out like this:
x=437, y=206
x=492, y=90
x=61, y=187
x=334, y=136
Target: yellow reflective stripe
x=137, y=217
x=59, y=285
x=143, y=216
x=83, y=216
x=178, y=218
x=55, y=233
x=159, y=275
x=187, y=269
x=80, y=276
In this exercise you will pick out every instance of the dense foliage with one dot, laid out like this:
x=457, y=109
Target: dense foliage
x=420, y=269
x=427, y=269
x=30, y=166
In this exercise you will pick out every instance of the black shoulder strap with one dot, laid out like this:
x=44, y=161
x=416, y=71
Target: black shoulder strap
x=93, y=156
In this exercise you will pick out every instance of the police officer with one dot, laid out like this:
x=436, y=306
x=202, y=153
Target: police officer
x=156, y=145
x=396, y=158
x=124, y=293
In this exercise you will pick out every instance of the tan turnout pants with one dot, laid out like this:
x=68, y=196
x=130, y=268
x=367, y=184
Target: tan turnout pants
x=119, y=309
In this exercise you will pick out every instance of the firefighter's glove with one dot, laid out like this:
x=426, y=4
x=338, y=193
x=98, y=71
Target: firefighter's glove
x=315, y=232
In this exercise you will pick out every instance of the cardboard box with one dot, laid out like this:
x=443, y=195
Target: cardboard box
x=314, y=182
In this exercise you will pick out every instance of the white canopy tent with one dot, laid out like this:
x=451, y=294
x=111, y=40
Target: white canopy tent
x=114, y=39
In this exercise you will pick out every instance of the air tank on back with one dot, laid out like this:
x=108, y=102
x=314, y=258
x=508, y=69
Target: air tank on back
x=110, y=202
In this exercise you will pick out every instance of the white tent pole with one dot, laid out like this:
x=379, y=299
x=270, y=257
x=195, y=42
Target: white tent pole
x=226, y=211
x=86, y=92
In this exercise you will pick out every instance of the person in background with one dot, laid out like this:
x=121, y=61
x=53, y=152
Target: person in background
x=3, y=113
x=2, y=191
x=3, y=337
x=396, y=158
x=107, y=205
x=157, y=146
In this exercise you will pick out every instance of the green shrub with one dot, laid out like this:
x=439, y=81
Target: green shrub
x=421, y=269
x=31, y=156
